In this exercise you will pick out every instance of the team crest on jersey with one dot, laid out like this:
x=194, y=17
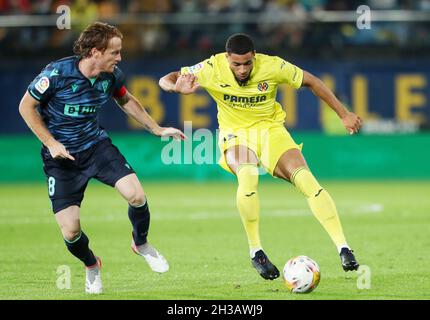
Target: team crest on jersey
x=42, y=84
x=196, y=68
x=263, y=86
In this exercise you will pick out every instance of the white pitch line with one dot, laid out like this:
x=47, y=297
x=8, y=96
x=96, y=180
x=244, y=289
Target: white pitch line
x=212, y=214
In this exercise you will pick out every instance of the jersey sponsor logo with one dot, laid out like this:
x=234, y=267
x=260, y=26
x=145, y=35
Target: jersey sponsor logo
x=54, y=73
x=210, y=63
x=245, y=100
x=77, y=110
x=224, y=85
x=42, y=84
x=196, y=68
x=263, y=86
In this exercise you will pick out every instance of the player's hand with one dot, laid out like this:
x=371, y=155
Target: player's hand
x=352, y=122
x=58, y=150
x=186, y=84
x=171, y=132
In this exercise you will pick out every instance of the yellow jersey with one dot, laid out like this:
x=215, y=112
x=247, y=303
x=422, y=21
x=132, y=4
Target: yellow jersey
x=253, y=104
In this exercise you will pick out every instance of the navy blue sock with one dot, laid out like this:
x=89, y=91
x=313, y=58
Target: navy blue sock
x=139, y=218
x=79, y=248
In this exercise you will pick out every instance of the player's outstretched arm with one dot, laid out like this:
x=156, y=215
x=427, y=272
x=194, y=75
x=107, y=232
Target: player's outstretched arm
x=175, y=82
x=132, y=107
x=27, y=109
x=351, y=121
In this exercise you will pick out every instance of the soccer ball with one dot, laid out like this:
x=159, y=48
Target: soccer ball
x=301, y=274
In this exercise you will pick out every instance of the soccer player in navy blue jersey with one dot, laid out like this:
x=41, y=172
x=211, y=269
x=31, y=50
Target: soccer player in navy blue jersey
x=61, y=107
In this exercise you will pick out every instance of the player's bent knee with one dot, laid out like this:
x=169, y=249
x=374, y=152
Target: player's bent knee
x=137, y=198
x=71, y=235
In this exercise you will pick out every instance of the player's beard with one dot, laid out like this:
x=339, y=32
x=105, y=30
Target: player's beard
x=243, y=82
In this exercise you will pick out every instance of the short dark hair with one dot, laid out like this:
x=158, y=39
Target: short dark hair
x=96, y=35
x=239, y=43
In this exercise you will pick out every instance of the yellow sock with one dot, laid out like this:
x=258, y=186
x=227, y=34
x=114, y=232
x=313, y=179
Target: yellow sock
x=321, y=204
x=248, y=203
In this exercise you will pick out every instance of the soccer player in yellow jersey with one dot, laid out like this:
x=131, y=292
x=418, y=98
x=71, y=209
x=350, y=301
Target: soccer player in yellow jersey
x=244, y=84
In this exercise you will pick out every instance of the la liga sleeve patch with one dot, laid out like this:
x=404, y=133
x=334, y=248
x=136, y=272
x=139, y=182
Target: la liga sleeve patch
x=42, y=85
x=195, y=68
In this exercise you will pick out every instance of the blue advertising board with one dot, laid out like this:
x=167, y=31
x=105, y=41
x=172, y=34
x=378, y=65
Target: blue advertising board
x=375, y=90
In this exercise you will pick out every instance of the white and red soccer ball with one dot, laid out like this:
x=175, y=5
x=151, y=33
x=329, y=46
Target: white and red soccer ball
x=301, y=274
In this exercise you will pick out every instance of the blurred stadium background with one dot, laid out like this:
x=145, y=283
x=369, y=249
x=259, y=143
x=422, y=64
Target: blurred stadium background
x=381, y=73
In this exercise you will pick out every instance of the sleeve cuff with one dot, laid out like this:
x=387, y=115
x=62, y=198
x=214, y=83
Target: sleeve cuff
x=35, y=96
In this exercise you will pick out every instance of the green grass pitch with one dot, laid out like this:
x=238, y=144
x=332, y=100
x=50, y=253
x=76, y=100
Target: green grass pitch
x=197, y=228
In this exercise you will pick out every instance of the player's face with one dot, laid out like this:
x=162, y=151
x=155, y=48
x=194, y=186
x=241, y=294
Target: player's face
x=241, y=65
x=111, y=56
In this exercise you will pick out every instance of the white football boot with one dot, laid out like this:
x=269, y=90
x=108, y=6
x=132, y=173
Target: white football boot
x=93, y=282
x=155, y=260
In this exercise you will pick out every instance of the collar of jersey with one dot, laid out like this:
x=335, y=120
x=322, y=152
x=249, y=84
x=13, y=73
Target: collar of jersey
x=78, y=72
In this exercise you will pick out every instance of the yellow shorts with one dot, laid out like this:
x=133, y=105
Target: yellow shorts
x=268, y=144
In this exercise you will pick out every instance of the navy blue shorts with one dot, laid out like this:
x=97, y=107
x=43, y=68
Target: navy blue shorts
x=67, y=179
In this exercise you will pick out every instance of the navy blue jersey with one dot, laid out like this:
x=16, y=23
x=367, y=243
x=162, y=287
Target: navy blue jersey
x=69, y=102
